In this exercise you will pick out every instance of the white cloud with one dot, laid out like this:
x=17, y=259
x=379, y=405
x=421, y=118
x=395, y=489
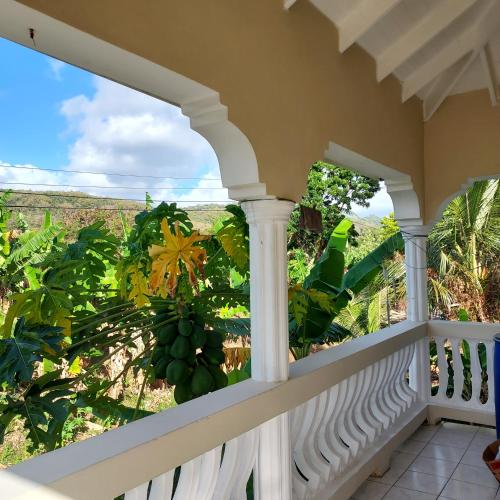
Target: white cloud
x=56, y=68
x=119, y=130
x=380, y=205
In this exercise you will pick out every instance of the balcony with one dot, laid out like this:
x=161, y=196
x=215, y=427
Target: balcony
x=348, y=409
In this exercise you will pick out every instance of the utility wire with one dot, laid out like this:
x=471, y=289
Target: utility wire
x=21, y=167
x=106, y=208
x=90, y=197
x=126, y=188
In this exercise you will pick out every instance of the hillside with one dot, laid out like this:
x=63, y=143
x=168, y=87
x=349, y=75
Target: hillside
x=82, y=209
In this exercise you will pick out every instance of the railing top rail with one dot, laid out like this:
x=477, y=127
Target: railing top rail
x=162, y=441
x=462, y=329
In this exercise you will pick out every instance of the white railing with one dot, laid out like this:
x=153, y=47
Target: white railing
x=346, y=406
x=464, y=367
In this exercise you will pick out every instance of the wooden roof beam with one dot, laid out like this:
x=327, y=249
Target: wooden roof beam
x=419, y=35
x=360, y=19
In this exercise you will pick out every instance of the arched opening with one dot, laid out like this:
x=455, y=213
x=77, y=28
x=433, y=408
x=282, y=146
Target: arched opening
x=237, y=161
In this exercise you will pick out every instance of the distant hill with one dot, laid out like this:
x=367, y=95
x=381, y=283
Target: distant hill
x=82, y=209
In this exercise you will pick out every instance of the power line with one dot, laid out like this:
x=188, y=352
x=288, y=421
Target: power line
x=126, y=188
x=35, y=207
x=90, y=197
x=21, y=167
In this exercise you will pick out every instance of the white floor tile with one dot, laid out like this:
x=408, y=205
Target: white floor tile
x=475, y=475
x=432, y=466
x=459, y=490
x=473, y=457
x=397, y=493
x=454, y=438
x=422, y=482
x=411, y=446
x=424, y=434
x=455, y=426
x=371, y=490
x=401, y=460
x=441, y=452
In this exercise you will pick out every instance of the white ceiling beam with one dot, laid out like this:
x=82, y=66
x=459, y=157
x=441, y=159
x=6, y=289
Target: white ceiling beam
x=489, y=74
x=436, y=20
x=472, y=38
x=451, y=78
x=287, y=4
x=360, y=19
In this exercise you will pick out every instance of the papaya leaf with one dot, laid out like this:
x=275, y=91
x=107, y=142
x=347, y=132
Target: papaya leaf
x=233, y=326
x=105, y=407
x=233, y=237
x=28, y=345
x=236, y=375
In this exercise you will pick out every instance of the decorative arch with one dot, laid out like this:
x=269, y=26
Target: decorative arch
x=208, y=116
x=463, y=188
x=407, y=208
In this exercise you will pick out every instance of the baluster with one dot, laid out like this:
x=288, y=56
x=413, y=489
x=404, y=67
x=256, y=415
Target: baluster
x=188, y=480
x=458, y=372
x=304, y=450
x=373, y=399
x=443, y=369
x=337, y=447
x=490, y=404
x=399, y=400
x=362, y=417
x=475, y=372
x=138, y=493
x=161, y=486
x=379, y=400
x=243, y=448
x=209, y=471
x=406, y=392
x=347, y=431
x=324, y=443
x=299, y=483
x=246, y=462
x=388, y=395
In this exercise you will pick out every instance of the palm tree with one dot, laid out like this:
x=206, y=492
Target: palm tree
x=463, y=253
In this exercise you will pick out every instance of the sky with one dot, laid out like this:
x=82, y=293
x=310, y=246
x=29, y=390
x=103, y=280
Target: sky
x=56, y=116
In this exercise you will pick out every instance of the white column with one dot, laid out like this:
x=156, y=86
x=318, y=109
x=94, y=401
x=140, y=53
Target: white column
x=267, y=221
x=417, y=306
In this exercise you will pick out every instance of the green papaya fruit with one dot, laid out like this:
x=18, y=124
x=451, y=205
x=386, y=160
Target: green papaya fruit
x=199, y=337
x=183, y=393
x=202, y=382
x=215, y=338
x=157, y=355
x=190, y=359
x=220, y=378
x=214, y=356
x=185, y=327
x=177, y=371
x=180, y=348
x=167, y=333
x=161, y=368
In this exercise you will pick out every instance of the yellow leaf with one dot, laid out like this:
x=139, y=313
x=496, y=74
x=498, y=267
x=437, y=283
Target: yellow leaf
x=167, y=259
x=140, y=289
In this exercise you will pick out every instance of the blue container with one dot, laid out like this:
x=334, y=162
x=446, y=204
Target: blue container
x=496, y=370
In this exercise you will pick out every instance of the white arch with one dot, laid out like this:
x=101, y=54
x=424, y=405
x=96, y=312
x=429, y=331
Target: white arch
x=407, y=210
x=237, y=160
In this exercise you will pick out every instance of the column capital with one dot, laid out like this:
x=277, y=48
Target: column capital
x=267, y=210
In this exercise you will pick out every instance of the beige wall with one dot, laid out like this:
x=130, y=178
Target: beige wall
x=462, y=141
x=280, y=74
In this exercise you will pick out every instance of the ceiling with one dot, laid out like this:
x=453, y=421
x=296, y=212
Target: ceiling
x=435, y=48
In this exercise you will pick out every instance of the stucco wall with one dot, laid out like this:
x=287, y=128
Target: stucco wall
x=462, y=142
x=280, y=74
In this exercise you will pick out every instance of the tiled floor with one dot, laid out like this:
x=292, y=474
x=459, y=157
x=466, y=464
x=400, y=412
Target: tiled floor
x=437, y=462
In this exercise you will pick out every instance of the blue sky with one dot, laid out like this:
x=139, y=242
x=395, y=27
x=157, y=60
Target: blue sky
x=60, y=117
